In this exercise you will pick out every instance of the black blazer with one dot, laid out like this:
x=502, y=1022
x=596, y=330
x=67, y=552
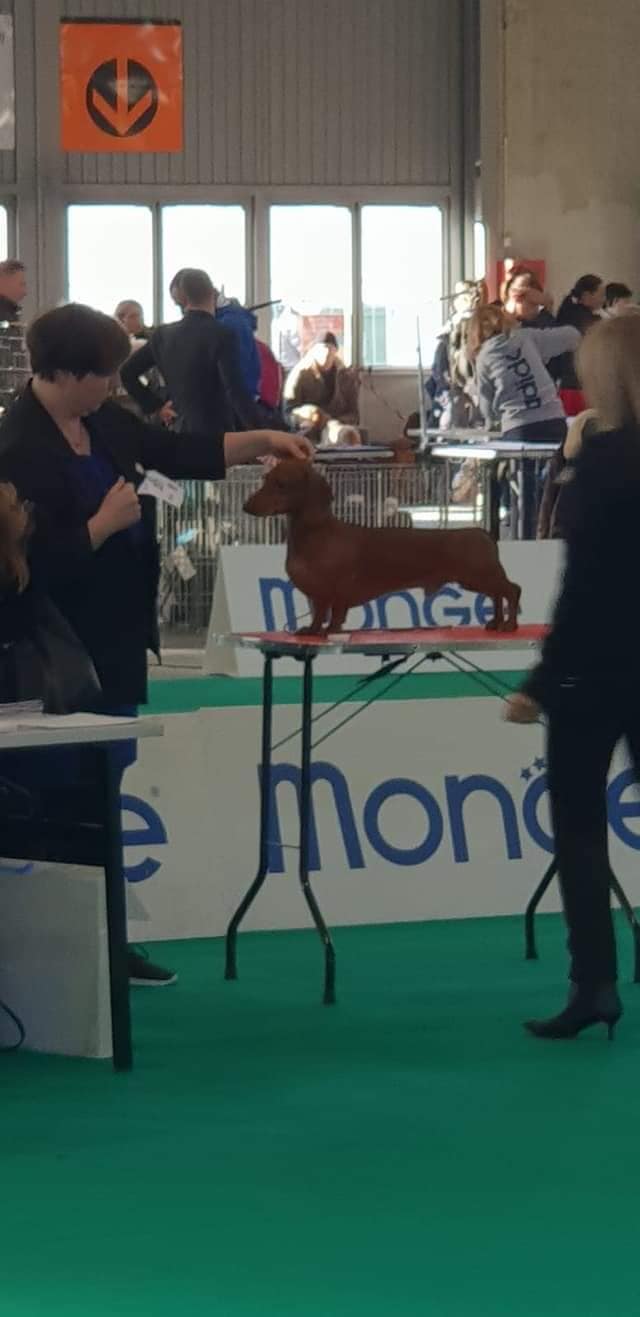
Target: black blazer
x=198, y=360
x=595, y=634
x=108, y=596
x=563, y=369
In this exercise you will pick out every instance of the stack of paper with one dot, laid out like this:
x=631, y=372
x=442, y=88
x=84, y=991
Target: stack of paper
x=10, y=714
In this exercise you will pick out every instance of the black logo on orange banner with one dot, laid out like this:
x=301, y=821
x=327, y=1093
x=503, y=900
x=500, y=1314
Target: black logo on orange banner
x=122, y=97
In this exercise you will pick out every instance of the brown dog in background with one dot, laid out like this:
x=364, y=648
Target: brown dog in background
x=338, y=566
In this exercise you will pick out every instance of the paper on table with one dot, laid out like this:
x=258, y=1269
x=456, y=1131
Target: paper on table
x=62, y=720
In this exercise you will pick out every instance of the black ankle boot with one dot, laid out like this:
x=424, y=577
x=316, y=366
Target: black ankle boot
x=586, y=1006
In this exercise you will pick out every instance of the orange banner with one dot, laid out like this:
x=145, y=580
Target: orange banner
x=121, y=86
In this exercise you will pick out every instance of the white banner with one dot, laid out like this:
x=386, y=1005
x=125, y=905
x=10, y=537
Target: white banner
x=253, y=593
x=422, y=810
x=7, y=85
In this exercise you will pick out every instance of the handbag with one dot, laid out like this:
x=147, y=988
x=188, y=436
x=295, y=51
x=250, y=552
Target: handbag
x=48, y=662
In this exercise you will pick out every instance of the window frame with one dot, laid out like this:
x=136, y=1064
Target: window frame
x=351, y=210
x=257, y=202
x=101, y=203
x=228, y=203
x=445, y=265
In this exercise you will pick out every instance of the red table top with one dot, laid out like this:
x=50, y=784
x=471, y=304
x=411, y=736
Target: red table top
x=419, y=638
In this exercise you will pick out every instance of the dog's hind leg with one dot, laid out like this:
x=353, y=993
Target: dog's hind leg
x=337, y=619
x=499, y=589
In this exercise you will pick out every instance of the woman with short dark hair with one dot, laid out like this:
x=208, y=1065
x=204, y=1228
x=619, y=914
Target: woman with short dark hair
x=79, y=459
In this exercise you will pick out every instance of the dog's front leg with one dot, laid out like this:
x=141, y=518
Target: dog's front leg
x=317, y=625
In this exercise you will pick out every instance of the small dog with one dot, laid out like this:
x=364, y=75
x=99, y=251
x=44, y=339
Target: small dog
x=338, y=566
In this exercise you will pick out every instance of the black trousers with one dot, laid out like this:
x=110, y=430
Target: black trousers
x=586, y=721
x=532, y=482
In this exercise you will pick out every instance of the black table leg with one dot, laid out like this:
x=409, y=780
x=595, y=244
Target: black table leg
x=629, y=911
x=494, y=502
x=530, y=937
x=231, y=968
x=116, y=915
x=305, y=819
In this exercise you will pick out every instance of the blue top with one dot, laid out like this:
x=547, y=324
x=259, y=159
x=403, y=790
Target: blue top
x=93, y=477
x=242, y=324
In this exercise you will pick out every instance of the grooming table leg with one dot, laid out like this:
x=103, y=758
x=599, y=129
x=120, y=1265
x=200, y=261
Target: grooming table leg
x=116, y=915
x=305, y=819
x=231, y=969
x=529, y=930
x=630, y=913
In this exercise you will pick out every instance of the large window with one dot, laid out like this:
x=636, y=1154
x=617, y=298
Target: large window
x=4, y=233
x=402, y=289
x=210, y=238
x=110, y=256
x=311, y=277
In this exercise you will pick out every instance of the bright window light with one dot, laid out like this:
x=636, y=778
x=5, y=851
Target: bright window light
x=479, y=250
x=402, y=256
x=311, y=275
x=210, y=238
x=110, y=256
x=4, y=233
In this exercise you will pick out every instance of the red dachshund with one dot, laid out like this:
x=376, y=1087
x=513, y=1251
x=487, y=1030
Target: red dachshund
x=339, y=566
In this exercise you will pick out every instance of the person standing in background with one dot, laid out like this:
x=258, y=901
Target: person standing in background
x=130, y=315
x=524, y=298
x=515, y=387
x=13, y=290
x=618, y=300
x=581, y=308
x=198, y=360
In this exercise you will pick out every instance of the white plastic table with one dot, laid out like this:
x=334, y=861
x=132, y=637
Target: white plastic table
x=101, y=734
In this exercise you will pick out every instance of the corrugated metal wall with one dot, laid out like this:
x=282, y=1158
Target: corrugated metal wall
x=299, y=92
x=314, y=95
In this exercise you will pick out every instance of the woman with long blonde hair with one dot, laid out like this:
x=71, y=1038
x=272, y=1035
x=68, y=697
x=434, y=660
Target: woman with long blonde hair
x=515, y=389
x=587, y=681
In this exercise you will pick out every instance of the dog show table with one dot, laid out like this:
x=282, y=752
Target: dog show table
x=93, y=838
x=401, y=653
x=493, y=453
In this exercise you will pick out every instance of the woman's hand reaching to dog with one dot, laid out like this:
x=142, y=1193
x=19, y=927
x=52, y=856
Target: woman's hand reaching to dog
x=240, y=449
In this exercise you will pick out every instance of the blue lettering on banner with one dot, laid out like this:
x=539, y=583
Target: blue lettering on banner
x=152, y=833
x=450, y=606
x=445, y=823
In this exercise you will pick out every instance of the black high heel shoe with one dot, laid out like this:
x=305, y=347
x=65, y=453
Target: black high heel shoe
x=586, y=1006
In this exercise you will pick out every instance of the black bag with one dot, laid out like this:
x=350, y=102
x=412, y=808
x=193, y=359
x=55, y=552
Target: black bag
x=48, y=662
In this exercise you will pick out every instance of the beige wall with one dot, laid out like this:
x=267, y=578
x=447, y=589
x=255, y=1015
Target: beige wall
x=570, y=110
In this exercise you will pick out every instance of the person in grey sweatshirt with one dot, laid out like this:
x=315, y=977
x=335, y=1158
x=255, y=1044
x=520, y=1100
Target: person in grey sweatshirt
x=515, y=388
x=514, y=385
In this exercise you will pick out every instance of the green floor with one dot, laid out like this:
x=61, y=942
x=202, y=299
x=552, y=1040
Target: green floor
x=409, y=1151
